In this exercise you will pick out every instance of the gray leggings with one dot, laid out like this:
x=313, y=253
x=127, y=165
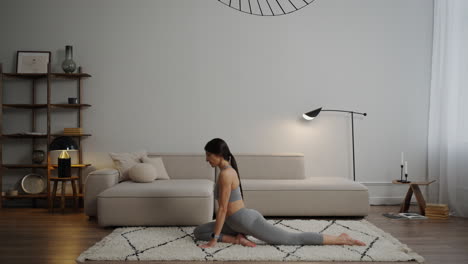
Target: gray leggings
x=250, y=222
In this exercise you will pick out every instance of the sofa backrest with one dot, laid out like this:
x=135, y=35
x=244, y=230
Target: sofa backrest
x=194, y=165
x=186, y=166
x=270, y=166
x=178, y=165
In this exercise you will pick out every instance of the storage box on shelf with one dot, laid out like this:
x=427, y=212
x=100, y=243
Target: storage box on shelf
x=36, y=137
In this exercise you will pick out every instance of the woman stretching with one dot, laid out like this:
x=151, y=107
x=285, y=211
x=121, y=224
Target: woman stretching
x=234, y=221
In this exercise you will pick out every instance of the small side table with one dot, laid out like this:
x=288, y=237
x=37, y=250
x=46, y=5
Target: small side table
x=56, y=180
x=413, y=187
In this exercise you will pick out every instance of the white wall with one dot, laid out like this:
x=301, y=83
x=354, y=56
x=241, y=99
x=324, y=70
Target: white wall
x=170, y=75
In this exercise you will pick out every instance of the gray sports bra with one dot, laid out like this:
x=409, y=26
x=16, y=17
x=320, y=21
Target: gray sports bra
x=235, y=194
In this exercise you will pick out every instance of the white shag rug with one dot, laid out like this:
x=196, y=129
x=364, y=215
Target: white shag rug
x=178, y=243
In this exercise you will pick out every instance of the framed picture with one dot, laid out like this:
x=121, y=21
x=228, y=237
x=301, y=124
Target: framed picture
x=32, y=61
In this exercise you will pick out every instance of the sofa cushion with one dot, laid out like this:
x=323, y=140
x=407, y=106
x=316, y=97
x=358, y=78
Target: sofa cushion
x=187, y=166
x=167, y=188
x=124, y=161
x=314, y=183
x=270, y=166
x=159, y=203
x=194, y=164
x=317, y=196
x=158, y=164
x=143, y=172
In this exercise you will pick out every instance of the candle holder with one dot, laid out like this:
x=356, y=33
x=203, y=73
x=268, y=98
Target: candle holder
x=406, y=178
x=401, y=174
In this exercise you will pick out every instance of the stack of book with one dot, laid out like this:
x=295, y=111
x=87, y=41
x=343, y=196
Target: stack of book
x=73, y=131
x=437, y=211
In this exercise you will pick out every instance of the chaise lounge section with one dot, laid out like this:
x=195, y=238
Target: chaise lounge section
x=185, y=199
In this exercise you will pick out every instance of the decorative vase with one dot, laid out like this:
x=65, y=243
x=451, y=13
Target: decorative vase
x=68, y=65
x=38, y=156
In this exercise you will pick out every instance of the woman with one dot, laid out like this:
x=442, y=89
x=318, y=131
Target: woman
x=234, y=221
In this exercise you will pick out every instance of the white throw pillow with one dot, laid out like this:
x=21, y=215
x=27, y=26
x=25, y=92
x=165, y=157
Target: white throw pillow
x=124, y=161
x=158, y=165
x=143, y=172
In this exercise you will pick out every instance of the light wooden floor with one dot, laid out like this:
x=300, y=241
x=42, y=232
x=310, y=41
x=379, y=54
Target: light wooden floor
x=33, y=236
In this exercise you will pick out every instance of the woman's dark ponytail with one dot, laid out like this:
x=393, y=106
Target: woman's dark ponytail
x=234, y=165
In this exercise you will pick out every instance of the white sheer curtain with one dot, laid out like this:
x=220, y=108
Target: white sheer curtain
x=448, y=110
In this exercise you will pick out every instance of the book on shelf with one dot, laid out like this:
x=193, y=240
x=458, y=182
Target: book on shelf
x=437, y=216
x=69, y=131
x=437, y=213
x=437, y=207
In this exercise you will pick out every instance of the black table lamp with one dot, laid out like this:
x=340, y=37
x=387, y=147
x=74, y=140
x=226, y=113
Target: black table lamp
x=312, y=114
x=64, y=160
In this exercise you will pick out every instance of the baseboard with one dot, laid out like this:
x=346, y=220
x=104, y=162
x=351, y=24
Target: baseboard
x=385, y=200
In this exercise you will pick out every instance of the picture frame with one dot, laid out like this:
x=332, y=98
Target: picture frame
x=32, y=61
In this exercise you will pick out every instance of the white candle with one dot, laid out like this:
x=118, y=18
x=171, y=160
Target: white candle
x=406, y=167
x=402, y=158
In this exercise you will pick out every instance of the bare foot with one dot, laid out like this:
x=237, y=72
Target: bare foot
x=241, y=239
x=345, y=239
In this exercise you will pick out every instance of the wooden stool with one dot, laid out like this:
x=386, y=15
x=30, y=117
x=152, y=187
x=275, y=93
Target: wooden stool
x=413, y=187
x=56, y=180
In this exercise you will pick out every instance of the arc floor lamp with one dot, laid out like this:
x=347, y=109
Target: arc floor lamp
x=312, y=114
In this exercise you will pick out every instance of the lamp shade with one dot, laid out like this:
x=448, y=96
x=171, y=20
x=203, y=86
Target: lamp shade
x=63, y=143
x=310, y=115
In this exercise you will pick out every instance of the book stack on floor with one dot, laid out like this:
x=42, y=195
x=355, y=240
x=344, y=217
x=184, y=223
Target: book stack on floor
x=73, y=131
x=437, y=211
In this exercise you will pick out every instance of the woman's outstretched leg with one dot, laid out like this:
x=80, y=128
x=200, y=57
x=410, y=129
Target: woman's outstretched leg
x=251, y=222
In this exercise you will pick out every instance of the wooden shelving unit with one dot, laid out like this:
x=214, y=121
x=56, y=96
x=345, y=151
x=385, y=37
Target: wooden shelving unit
x=48, y=137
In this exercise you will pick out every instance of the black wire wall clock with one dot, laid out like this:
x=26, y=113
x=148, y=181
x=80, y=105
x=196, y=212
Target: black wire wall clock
x=267, y=7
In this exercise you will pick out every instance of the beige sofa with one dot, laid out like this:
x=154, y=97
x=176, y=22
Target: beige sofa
x=273, y=184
